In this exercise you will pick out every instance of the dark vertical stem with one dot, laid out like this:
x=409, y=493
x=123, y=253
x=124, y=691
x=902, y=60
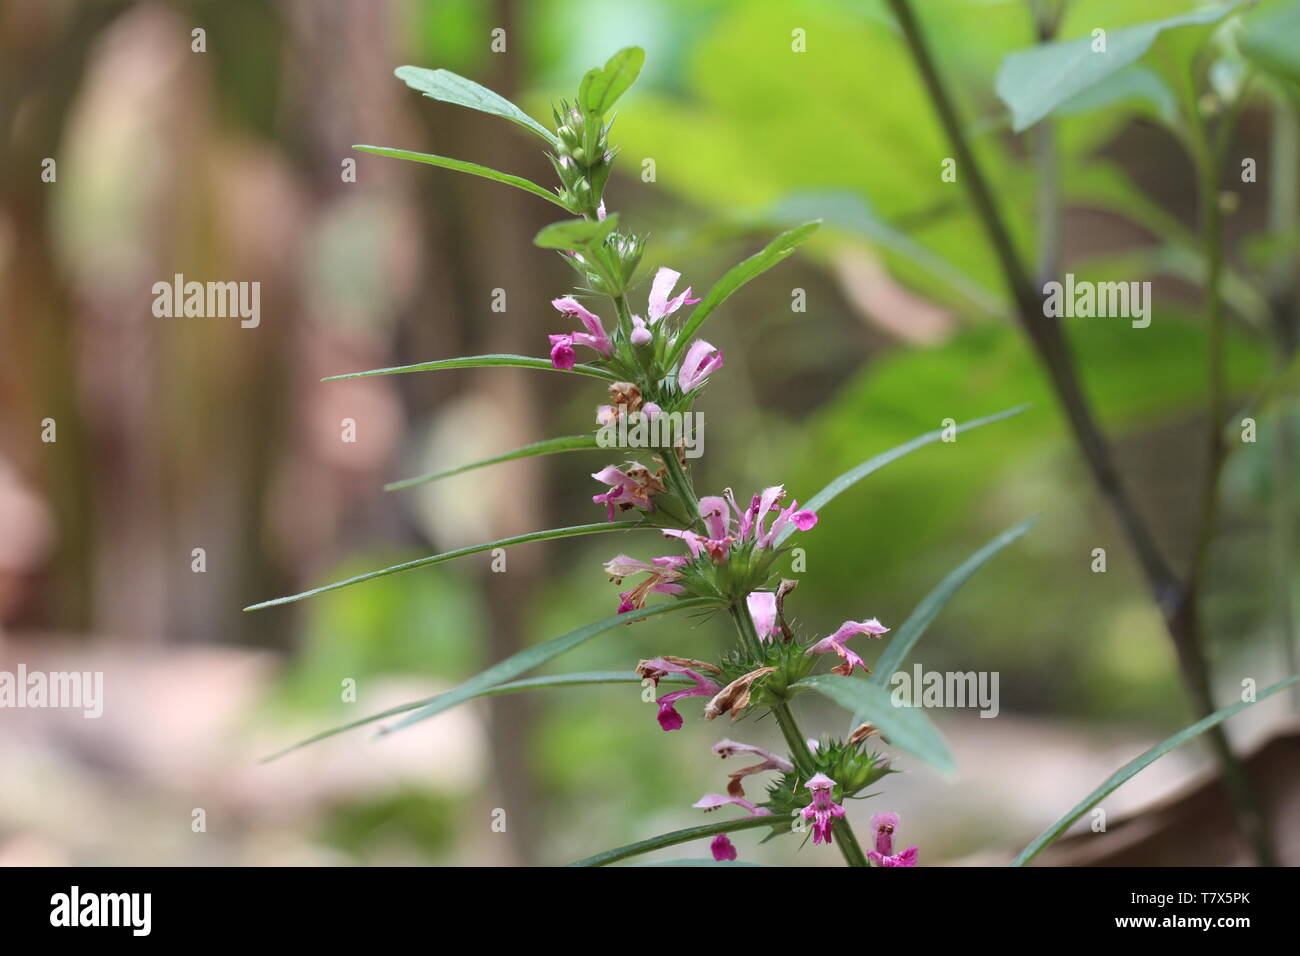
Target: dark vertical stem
x=1176, y=602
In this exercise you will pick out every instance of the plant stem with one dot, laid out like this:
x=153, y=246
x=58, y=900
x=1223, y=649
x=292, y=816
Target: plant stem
x=1176, y=603
x=800, y=755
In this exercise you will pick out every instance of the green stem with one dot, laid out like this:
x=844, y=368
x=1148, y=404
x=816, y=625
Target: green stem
x=681, y=480
x=800, y=755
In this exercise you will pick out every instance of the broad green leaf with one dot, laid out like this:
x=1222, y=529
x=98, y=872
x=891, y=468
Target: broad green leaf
x=906, y=727
x=576, y=233
x=1271, y=38
x=548, y=447
x=1136, y=766
x=1133, y=83
x=602, y=87
x=776, y=250
x=570, y=532
x=904, y=639
x=681, y=836
x=854, y=475
x=531, y=683
x=532, y=657
x=1035, y=82
x=474, y=169
x=450, y=87
x=477, y=361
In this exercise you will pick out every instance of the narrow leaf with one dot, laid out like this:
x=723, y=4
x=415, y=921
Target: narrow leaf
x=549, y=447
x=776, y=250
x=681, y=836
x=576, y=233
x=854, y=475
x=477, y=361
x=533, y=657
x=451, y=88
x=906, y=727
x=474, y=169
x=570, y=532
x=902, y=641
x=1136, y=766
x=532, y=683
x=1033, y=83
x=601, y=88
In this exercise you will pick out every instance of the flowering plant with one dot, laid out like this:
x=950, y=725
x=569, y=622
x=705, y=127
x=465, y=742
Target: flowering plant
x=727, y=553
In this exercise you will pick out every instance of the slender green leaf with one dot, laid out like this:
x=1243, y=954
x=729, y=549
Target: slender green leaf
x=531, y=683
x=570, y=532
x=549, y=447
x=602, y=86
x=681, y=836
x=854, y=475
x=576, y=233
x=1136, y=766
x=532, y=657
x=906, y=727
x=776, y=250
x=1035, y=82
x=452, y=88
x=477, y=361
x=474, y=169
x=903, y=640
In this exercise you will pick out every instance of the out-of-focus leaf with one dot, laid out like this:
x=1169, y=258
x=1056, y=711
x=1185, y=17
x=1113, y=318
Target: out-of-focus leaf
x=1134, y=83
x=735, y=277
x=452, y=88
x=1035, y=82
x=477, y=361
x=852, y=214
x=602, y=86
x=474, y=169
x=550, y=446
x=1271, y=38
x=532, y=657
x=1136, y=766
x=570, y=532
x=906, y=727
x=576, y=233
x=905, y=638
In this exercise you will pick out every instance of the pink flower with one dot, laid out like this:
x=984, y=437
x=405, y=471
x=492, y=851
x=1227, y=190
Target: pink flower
x=562, y=355
x=663, y=572
x=651, y=409
x=655, y=669
x=883, y=825
x=701, y=360
x=660, y=304
x=770, y=761
x=823, y=811
x=634, y=488
x=640, y=334
x=836, y=642
x=762, y=609
x=722, y=848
